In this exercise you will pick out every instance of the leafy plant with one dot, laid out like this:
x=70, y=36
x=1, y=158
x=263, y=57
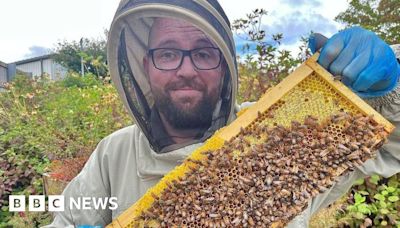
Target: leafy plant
x=374, y=201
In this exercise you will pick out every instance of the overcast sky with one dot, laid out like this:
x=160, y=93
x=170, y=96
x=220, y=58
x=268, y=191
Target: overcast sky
x=31, y=28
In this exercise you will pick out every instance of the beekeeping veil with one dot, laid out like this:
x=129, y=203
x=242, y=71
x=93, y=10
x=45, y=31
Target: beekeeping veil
x=127, y=45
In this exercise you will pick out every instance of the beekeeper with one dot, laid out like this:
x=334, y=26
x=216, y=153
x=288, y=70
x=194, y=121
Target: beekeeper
x=174, y=66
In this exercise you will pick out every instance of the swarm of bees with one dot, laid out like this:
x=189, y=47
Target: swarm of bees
x=266, y=175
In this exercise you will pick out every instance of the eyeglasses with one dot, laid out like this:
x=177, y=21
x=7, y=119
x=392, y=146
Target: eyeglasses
x=206, y=58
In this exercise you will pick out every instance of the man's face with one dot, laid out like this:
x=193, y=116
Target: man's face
x=186, y=96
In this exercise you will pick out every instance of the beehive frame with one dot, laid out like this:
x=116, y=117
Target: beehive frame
x=331, y=95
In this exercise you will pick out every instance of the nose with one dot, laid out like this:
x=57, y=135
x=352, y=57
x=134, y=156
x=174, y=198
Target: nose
x=187, y=69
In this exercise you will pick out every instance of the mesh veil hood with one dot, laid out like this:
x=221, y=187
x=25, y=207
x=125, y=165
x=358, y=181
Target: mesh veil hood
x=127, y=45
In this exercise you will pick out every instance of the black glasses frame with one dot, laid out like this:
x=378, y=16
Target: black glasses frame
x=185, y=53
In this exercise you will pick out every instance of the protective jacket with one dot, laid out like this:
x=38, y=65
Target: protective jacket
x=131, y=160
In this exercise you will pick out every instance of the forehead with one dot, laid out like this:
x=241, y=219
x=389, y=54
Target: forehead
x=174, y=33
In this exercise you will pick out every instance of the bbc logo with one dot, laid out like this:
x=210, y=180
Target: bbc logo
x=36, y=203
x=57, y=203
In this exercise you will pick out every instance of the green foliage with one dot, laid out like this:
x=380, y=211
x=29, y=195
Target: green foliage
x=29, y=219
x=93, y=52
x=380, y=16
x=269, y=64
x=374, y=201
x=42, y=120
x=75, y=80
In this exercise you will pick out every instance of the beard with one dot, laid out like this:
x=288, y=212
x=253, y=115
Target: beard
x=199, y=116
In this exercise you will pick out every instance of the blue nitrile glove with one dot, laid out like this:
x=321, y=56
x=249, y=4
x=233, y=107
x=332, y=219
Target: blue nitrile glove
x=366, y=63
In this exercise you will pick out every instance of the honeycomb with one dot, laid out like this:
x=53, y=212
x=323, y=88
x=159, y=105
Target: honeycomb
x=263, y=168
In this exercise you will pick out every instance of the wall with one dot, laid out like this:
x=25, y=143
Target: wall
x=3, y=73
x=43, y=66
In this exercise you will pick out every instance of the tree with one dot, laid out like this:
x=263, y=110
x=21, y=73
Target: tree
x=267, y=64
x=93, y=52
x=379, y=16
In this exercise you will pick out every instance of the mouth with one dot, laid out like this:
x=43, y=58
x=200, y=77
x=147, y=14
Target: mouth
x=186, y=89
x=186, y=93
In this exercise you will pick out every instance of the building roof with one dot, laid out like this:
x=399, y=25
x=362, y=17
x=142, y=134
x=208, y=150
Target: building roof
x=43, y=57
x=3, y=64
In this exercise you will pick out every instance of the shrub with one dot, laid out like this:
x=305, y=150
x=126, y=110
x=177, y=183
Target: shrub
x=42, y=120
x=29, y=219
x=76, y=80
